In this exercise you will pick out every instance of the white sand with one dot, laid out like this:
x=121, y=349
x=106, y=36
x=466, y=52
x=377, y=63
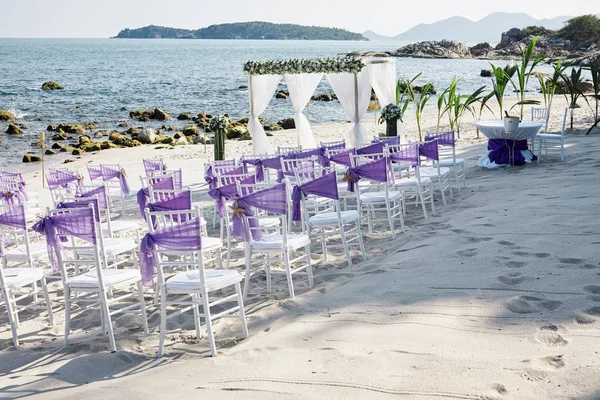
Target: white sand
x=496, y=297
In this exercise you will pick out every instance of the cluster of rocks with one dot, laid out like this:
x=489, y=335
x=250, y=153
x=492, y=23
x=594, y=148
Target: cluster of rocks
x=434, y=49
x=284, y=94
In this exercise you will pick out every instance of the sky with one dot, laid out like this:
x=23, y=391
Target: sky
x=105, y=18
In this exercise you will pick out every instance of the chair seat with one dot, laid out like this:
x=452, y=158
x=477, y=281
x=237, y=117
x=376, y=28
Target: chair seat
x=274, y=242
x=432, y=172
x=38, y=251
x=111, y=277
x=19, y=277
x=412, y=181
x=208, y=244
x=113, y=247
x=216, y=279
x=448, y=162
x=548, y=136
x=379, y=197
x=331, y=218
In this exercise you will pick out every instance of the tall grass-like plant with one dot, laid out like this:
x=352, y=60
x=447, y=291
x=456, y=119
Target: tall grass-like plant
x=524, y=72
x=572, y=85
x=594, y=68
x=459, y=104
x=500, y=80
x=553, y=82
x=442, y=101
x=405, y=93
x=420, y=105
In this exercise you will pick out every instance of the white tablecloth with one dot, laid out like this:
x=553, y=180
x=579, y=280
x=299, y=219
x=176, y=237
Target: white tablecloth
x=495, y=130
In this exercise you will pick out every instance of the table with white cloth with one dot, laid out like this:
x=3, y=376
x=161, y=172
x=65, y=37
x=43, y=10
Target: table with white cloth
x=507, y=149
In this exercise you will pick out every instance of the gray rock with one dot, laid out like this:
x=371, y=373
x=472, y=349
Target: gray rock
x=434, y=49
x=147, y=136
x=486, y=73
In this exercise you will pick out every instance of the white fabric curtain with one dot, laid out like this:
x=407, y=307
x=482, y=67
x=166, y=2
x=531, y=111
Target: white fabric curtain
x=354, y=92
x=383, y=80
x=301, y=88
x=261, y=89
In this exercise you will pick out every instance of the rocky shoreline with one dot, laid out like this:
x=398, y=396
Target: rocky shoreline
x=509, y=48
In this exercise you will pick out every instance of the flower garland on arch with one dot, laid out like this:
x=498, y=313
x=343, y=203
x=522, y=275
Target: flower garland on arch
x=305, y=66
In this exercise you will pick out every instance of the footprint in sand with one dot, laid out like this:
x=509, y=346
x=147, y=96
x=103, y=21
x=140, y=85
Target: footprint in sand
x=505, y=243
x=520, y=306
x=479, y=239
x=459, y=231
x=595, y=311
x=515, y=264
x=550, y=305
x=583, y=319
x=550, y=363
x=549, y=336
x=467, y=253
x=571, y=261
x=542, y=255
x=589, y=266
x=592, y=289
x=520, y=253
x=512, y=279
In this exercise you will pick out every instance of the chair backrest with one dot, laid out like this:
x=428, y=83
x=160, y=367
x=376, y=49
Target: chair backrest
x=13, y=229
x=324, y=186
x=115, y=179
x=272, y=200
x=163, y=219
x=297, y=168
x=336, y=144
x=157, y=195
x=151, y=166
x=542, y=115
x=176, y=174
x=95, y=173
x=446, y=144
x=285, y=150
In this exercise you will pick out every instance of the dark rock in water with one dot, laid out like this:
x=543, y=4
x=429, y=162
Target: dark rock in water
x=6, y=116
x=132, y=131
x=419, y=89
x=99, y=134
x=51, y=86
x=52, y=128
x=77, y=106
x=84, y=139
x=78, y=129
x=67, y=161
x=77, y=152
x=61, y=135
x=237, y=132
x=172, y=128
x=184, y=117
x=282, y=94
x=141, y=115
x=274, y=127
x=243, y=87
x=13, y=130
x=191, y=130
x=481, y=49
x=37, y=145
x=90, y=126
x=486, y=73
x=160, y=115
x=90, y=146
x=123, y=108
x=121, y=140
x=584, y=87
x=124, y=124
x=49, y=152
x=287, y=123
x=27, y=158
x=23, y=126
x=324, y=97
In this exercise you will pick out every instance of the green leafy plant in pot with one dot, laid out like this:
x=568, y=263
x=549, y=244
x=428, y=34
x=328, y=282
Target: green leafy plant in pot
x=218, y=124
x=391, y=114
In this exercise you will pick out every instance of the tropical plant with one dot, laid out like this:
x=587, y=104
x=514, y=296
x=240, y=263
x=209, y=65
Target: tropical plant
x=405, y=93
x=442, y=101
x=553, y=82
x=500, y=80
x=459, y=104
x=420, y=105
x=524, y=72
x=218, y=125
x=572, y=89
x=594, y=68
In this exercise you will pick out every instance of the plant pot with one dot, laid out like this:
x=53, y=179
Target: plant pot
x=391, y=127
x=220, y=145
x=511, y=124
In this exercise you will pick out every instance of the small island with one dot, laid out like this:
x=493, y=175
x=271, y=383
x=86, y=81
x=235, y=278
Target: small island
x=243, y=30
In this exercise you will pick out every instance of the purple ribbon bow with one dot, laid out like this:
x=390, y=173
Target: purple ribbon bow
x=324, y=186
x=273, y=199
x=378, y=170
x=112, y=172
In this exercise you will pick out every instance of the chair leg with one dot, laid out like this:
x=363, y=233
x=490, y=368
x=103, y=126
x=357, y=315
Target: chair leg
x=163, y=320
x=309, y=270
x=442, y=191
x=196, y=316
x=67, y=295
x=360, y=240
x=242, y=311
x=323, y=244
x=288, y=272
x=48, y=303
x=345, y=243
x=140, y=289
x=248, y=265
x=104, y=305
x=11, y=318
x=390, y=219
x=208, y=321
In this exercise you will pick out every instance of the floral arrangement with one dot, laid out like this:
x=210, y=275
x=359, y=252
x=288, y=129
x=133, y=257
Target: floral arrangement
x=309, y=66
x=219, y=123
x=391, y=112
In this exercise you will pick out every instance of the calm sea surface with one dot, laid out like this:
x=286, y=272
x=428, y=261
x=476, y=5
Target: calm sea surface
x=108, y=78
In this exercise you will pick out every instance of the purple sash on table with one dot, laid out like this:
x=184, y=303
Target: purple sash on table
x=112, y=172
x=228, y=192
x=78, y=223
x=324, y=186
x=183, y=237
x=144, y=193
x=502, y=150
x=378, y=170
x=273, y=200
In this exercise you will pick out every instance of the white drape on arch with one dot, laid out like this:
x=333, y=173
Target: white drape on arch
x=354, y=93
x=383, y=80
x=301, y=87
x=261, y=89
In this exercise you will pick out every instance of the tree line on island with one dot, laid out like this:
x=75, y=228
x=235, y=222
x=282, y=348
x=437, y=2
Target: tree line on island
x=243, y=30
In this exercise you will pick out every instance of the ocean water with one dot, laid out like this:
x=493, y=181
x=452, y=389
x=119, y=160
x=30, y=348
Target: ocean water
x=106, y=78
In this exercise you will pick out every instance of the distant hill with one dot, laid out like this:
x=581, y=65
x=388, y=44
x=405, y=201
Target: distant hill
x=243, y=30
x=487, y=29
x=375, y=36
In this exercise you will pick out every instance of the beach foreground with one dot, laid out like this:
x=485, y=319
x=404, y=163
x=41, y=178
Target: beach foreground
x=496, y=297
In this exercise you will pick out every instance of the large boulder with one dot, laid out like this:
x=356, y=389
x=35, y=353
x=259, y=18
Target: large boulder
x=287, y=123
x=6, y=116
x=511, y=36
x=163, y=140
x=51, y=85
x=72, y=128
x=141, y=115
x=160, y=115
x=27, y=158
x=434, y=49
x=486, y=73
x=481, y=49
x=324, y=97
x=191, y=130
x=184, y=117
x=236, y=132
x=13, y=130
x=282, y=94
x=107, y=145
x=147, y=136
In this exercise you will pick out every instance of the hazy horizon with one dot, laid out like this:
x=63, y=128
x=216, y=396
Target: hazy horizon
x=103, y=19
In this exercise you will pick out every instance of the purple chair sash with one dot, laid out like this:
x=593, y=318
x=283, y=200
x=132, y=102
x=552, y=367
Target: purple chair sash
x=405, y=154
x=444, y=138
x=324, y=186
x=151, y=166
x=11, y=197
x=502, y=149
x=227, y=192
x=63, y=179
x=375, y=148
x=112, y=172
x=176, y=202
x=378, y=170
x=429, y=149
x=144, y=194
x=14, y=217
x=387, y=140
x=343, y=158
x=98, y=193
x=273, y=200
x=95, y=172
x=82, y=204
x=78, y=223
x=183, y=237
